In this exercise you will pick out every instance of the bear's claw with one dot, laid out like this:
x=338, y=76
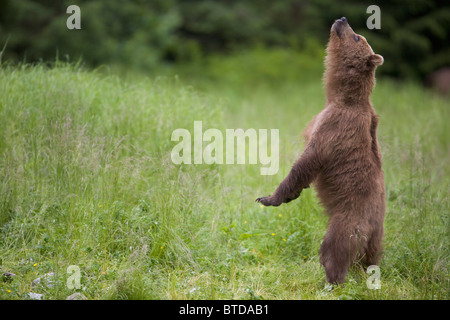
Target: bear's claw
x=267, y=201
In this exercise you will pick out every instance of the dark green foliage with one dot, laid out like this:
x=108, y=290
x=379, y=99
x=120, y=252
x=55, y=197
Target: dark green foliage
x=414, y=35
x=133, y=33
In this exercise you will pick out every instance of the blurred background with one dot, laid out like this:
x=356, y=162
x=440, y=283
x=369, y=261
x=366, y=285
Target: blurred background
x=86, y=176
x=148, y=35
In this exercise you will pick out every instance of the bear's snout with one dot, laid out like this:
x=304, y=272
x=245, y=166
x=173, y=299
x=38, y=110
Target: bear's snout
x=339, y=26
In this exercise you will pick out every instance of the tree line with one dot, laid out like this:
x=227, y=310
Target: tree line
x=413, y=38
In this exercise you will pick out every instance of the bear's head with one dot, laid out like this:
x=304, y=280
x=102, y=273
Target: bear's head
x=350, y=63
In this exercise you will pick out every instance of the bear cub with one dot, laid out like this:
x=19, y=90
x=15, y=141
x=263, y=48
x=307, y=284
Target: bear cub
x=341, y=159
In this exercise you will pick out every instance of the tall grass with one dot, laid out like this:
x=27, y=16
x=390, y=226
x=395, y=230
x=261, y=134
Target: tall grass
x=86, y=171
x=87, y=180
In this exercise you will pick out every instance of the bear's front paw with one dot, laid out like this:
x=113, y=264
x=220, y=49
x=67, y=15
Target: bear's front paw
x=268, y=201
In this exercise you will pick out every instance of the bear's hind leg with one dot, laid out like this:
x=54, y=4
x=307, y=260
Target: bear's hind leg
x=374, y=248
x=342, y=246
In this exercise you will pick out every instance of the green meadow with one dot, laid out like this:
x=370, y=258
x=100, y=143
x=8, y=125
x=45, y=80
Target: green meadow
x=86, y=180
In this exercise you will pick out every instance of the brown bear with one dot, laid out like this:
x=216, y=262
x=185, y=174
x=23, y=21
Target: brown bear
x=341, y=158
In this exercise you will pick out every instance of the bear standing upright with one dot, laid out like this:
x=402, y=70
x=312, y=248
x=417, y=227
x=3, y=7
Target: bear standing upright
x=341, y=158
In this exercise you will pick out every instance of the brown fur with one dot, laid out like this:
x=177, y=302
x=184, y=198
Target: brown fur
x=341, y=158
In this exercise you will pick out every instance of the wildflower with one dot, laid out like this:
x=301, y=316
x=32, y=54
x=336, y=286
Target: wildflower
x=284, y=239
x=34, y=265
x=9, y=290
x=273, y=233
x=280, y=215
x=99, y=205
x=245, y=221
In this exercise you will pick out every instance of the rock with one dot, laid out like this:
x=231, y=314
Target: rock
x=8, y=276
x=46, y=279
x=36, y=296
x=76, y=296
x=439, y=80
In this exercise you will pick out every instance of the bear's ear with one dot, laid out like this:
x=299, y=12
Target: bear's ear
x=376, y=60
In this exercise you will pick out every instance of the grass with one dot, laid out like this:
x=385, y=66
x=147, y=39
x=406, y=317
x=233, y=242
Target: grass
x=87, y=180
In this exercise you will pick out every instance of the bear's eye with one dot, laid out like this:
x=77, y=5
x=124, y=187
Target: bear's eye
x=356, y=38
